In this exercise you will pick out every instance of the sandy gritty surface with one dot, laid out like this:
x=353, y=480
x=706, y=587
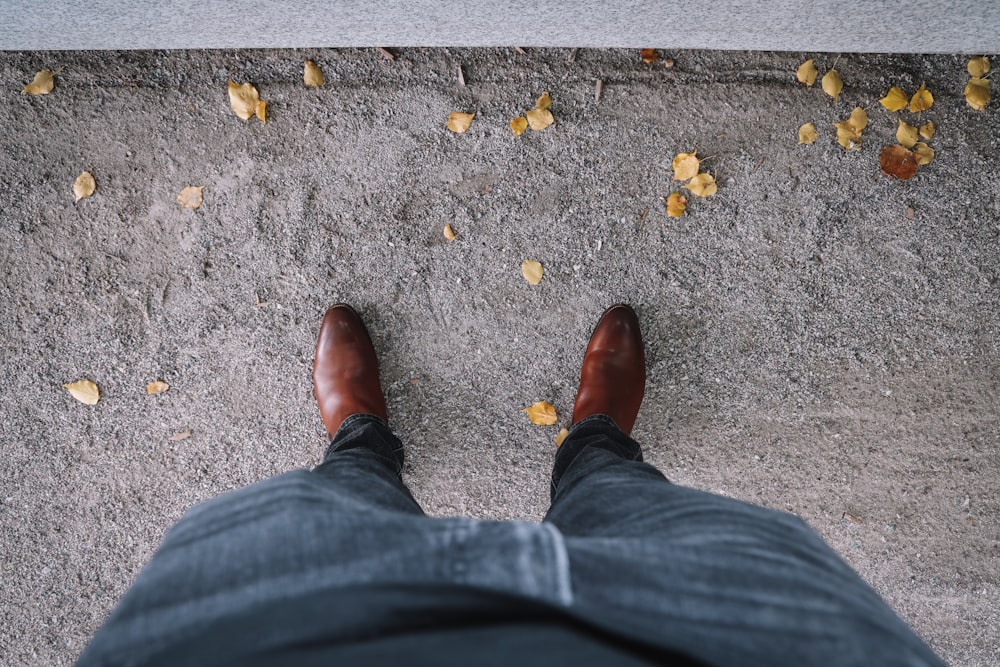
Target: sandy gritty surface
x=812, y=346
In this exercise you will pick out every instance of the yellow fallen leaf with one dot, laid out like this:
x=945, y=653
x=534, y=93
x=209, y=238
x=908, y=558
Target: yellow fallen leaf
x=191, y=197
x=906, y=134
x=312, y=75
x=532, y=271
x=42, y=84
x=832, y=83
x=177, y=437
x=649, y=55
x=543, y=101
x=927, y=130
x=84, y=391
x=561, y=436
x=261, y=111
x=702, y=185
x=243, y=99
x=676, y=205
x=807, y=133
x=895, y=99
x=519, y=125
x=541, y=413
x=158, y=387
x=977, y=93
x=806, y=73
x=858, y=119
x=922, y=100
x=847, y=136
x=978, y=67
x=83, y=186
x=459, y=122
x=539, y=119
x=685, y=166
x=924, y=153
x=449, y=233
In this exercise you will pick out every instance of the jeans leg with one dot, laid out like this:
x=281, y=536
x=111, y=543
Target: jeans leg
x=366, y=458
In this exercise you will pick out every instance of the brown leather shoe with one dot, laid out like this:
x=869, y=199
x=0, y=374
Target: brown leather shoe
x=613, y=378
x=345, y=370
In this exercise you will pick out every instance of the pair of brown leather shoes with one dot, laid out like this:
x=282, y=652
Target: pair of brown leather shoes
x=346, y=382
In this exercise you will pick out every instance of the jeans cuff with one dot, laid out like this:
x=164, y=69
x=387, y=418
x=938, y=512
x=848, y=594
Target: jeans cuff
x=370, y=432
x=598, y=431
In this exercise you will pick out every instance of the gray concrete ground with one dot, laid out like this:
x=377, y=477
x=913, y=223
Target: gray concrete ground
x=821, y=339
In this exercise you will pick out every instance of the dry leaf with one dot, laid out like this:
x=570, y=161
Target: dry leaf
x=649, y=55
x=541, y=413
x=532, y=271
x=924, y=153
x=676, y=205
x=459, y=122
x=850, y=517
x=807, y=133
x=42, y=84
x=312, y=75
x=543, y=101
x=898, y=161
x=519, y=125
x=927, y=130
x=561, y=436
x=177, y=437
x=977, y=93
x=449, y=233
x=806, y=73
x=261, y=111
x=84, y=391
x=702, y=185
x=83, y=186
x=895, y=99
x=158, y=387
x=832, y=83
x=191, y=197
x=922, y=100
x=906, y=134
x=244, y=100
x=978, y=67
x=858, y=120
x=539, y=119
x=847, y=136
x=685, y=166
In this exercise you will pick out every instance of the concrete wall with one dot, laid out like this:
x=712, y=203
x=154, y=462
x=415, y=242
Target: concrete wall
x=902, y=26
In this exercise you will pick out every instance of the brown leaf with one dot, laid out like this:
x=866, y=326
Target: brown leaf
x=807, y=133
x=850, y=517
x=906, y=134
x=561, y=436
x=898, y=161
x=541, y=413
x=544, y=101
x=927, y=130
x=649, y=55
x=806, y=73
x=685, y=166
x=459, y=122
x=157, y=387
x=312, y=75
x=832, y=83
x=243, y=99
x=676, y=205
x=84, y=186
x=702, y=185
x=895, y=99
x=449, y=233
x=922, y=100
x=532, y=271
x=261, y=111
x=924, y=153
x=191, y=197
x=42, y=84
x=977, y=93
x=519, y=125
x=539, y=119
x=978, y=67
x=177, y=437
x=84, y=391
